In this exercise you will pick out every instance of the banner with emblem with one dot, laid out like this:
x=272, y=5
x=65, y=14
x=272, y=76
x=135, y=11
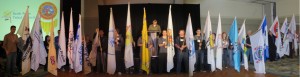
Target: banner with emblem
x=111, y=57
x=257, y=45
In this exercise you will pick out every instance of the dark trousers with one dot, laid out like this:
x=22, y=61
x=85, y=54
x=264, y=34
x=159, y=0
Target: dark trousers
x=11, y=63
x=200, y=60
x=154, y=65
x=162, y=62
x=225, y=58
x=46, y=65
x=19, y=61
x=183, y=56
x=101, y=62
x=119, y=62
x=230, y=53
x=291, y=50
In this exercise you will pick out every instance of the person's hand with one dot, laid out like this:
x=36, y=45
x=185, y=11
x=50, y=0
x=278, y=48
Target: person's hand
x=133, y=44
x=181, y=48
x=7, y=53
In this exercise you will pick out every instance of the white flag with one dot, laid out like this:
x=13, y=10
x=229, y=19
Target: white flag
x=111, y=58
x=190, y=45
x=93, y=53
x=62, y=44
x=257, y=44
x=23, y=30
x=292, y=25
x=78, y=48
x=39, y=53
x=27, y=48
x=170, y=47
x=292, y=28
x=276, y=32
x=219, y=45
x=242, y=40
x=128, y=55
x=285, y=46
x=284, y=26
x=210, y=52
x=70, y=42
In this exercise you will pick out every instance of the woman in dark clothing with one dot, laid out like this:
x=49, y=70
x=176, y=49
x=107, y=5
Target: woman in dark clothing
x=46, y=44
x=272, y=46
x=162, y=56
x=119, y=43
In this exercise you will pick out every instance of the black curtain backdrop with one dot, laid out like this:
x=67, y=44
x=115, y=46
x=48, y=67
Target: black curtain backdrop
x=66, y=6
x=153, y=11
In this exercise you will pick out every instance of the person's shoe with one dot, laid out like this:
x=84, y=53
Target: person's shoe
x=63, y=70
x=119, y=73
x=15, y=74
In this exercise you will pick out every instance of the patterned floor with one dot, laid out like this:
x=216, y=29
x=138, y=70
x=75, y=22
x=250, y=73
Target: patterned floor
x=285, y=67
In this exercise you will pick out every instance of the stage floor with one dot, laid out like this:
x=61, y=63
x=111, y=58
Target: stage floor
x=227, y=72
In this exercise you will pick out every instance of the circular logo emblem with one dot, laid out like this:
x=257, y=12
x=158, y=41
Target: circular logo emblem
x=48, y=10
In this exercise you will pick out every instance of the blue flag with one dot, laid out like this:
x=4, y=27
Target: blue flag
x=233, y=37
x=265, y=37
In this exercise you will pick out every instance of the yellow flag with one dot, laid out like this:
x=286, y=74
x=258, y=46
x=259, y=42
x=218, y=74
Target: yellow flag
x=52, y=64
x=145, y=53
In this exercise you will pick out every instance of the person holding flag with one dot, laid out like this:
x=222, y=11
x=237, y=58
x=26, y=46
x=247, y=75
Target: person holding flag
x=119, y=43
x=162, y=56
x=199, y=47
x=275, y=37
x=182, y=52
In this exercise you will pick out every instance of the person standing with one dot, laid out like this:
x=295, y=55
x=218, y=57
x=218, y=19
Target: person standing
x=162, y=56
x=140, y=44
x=101, y=57
x=225, y=44
x=154, y=29
x=20, y=50
x=182, y=52
x=56, y=43
x=46, y=44
x=272, y=46
x=10, y=46
x=119, y=43
x=290, y=37
x=248, y=45
x=199, y=38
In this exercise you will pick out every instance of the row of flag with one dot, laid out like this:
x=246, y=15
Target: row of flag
x=34, y=43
